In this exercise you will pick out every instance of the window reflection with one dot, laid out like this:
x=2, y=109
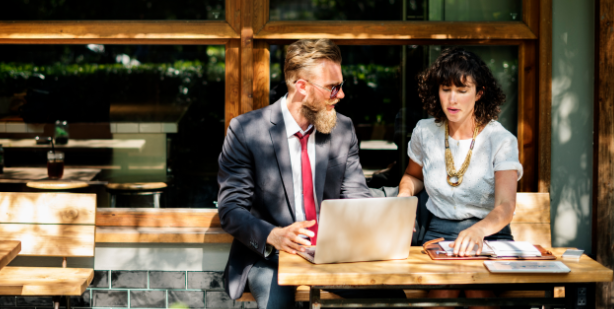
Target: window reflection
x=433, y=10
x=134, y=113
x=382, y=99
x=113, y=9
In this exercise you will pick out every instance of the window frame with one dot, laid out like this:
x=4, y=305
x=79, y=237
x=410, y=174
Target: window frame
x=247, y=33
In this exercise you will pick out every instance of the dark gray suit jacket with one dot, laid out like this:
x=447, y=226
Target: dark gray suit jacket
x=255, y=178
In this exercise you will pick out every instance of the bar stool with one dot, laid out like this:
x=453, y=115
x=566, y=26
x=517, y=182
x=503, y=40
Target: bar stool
x=154, y=189
x=57, y=184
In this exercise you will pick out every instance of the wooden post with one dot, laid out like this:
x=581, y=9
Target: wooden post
x=247, y=56
x=262, y=61
x=603, y=153
x=545, y=96
x=232, y=85
x=527, y=114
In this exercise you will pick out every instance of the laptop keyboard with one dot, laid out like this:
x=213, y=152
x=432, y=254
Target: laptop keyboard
x=309, y=254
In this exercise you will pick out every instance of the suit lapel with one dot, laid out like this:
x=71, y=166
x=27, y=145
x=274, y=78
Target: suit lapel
x=322, y=149
x=282, y=152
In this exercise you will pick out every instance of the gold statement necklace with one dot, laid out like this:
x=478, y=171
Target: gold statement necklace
x=455, y=178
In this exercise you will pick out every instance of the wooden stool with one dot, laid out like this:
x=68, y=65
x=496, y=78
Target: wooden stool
x=137, y=188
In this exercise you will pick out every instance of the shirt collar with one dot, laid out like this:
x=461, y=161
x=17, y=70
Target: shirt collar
x=291, y=125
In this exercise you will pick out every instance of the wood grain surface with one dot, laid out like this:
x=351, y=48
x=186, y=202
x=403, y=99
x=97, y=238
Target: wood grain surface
x=166, y=217
x=44, y=281
x=603, y=151
x=545, y=95
x=532, y=208
x=232, y=107
x=48, y=208
x=439, y=30
x=51, y=240
x=161, y=235
x=16, y=31
x=9, y=249
x=419, y=269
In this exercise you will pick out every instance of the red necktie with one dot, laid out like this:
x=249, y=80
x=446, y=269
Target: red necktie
x=308, y=200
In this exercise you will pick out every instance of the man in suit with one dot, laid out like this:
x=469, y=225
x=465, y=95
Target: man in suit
x=271, y=156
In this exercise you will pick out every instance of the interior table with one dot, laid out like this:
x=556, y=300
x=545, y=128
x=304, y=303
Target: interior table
x=418, y=271
x=27, y=174
x=129, y=144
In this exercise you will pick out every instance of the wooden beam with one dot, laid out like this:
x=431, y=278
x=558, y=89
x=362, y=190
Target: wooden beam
x=247, y=56
x=407, y=42
x=261, y=14
x=116, y=41
x=233, y=15
x=262, y=74
x=120, y=32
x=396, y=30
x=603, y=152
x=232, y=91
x=161, y=235
x=165, y=217
x=531, y=14
x=545, y=96
x=527, y=115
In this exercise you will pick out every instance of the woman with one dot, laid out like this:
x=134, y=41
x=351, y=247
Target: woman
x=465, y=159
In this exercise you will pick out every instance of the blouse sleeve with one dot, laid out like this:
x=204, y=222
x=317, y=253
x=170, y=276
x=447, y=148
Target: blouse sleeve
x=506, y=156
x=415, y=150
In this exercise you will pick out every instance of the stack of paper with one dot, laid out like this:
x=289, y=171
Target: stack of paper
x=450, y=251
x=499, y=248
x=513, y=248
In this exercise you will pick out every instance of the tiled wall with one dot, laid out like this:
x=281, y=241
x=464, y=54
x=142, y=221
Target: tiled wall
x=143, y=289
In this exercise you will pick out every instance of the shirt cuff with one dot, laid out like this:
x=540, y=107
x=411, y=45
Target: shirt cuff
x=268, y=249
x=505, y=166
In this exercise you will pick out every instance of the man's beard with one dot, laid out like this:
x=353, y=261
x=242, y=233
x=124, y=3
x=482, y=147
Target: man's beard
x=324, y=121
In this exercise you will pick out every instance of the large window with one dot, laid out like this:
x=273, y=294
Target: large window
x=166, y=77
x=383, y=103
x=434, y=10
x=167, y=99
x=113, y=10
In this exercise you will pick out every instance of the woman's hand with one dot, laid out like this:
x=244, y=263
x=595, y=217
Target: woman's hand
x=466, y=241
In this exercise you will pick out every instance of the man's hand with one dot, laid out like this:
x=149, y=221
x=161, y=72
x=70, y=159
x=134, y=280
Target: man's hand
x=466, y=241
x=288, y=238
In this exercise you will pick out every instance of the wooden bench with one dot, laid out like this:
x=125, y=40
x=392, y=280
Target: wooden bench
x=531, y=223
x=48, y=225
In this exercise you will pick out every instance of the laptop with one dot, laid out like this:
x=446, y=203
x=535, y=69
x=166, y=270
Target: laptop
x=358, y=230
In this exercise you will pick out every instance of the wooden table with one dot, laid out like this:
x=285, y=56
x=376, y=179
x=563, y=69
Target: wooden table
x=134, y=144
x=39, y=281
x=420, y=272
x=8, y=251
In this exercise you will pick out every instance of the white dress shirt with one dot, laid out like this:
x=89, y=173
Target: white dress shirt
x=294, y=146
x=495, y=149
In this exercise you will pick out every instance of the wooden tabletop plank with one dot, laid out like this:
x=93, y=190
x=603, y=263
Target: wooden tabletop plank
x=9, y=249
x=37, y=173
x=136, y=144
x=43, y=281
x=419, y=269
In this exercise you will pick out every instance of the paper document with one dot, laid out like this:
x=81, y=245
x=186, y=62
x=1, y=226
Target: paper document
x=513, y=248
x=450, y=251
x=498, y=248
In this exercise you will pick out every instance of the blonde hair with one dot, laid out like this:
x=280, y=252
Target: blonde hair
x=305, y=54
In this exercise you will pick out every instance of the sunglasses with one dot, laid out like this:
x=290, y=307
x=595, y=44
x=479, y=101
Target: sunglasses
x=333, y=91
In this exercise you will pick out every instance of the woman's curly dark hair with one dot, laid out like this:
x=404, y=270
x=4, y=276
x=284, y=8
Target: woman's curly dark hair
x=453, y=66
